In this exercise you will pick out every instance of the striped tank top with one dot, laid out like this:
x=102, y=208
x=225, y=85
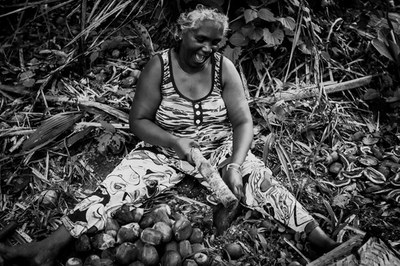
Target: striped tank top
x=204, y=120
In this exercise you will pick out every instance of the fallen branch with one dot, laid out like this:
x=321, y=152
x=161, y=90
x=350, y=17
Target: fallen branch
x=339, y=252
x=302, y=93
x=18, y=89
x=103, y=107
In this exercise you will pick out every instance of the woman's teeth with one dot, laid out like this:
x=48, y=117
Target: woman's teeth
x=200, y=58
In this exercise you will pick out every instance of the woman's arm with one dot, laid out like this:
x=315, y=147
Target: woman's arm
x=242, y=125
x=238, y=111
x=143, y=111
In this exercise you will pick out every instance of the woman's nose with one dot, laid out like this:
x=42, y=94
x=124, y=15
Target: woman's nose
x=207, y=48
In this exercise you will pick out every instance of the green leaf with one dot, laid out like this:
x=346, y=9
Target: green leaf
x=247, y=30
x=93, y=56
x=266, y=15
x=394, y=47
x=316, y=27
x=325, y=55
x=26, y=75
x=371, y=94
x=273, y=39
x=256, y=35
x=108, y=127
x=382, y=48
x=238, y=39
x=29, y=83
x=304, y=48
x=341, y=200
x=250, y=15
x=288, y=22
x=232, y=54
x=295, y=2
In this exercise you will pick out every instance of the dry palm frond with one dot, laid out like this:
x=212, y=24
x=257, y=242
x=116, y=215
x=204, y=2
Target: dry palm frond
x=50, y=130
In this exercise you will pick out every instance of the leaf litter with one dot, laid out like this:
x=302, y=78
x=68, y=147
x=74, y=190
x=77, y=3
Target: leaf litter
x=62, y=132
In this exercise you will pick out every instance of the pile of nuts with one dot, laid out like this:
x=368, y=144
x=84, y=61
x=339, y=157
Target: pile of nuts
x=373, y=161
x=157, y=237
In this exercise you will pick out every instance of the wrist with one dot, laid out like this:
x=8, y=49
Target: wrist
x=234, y=167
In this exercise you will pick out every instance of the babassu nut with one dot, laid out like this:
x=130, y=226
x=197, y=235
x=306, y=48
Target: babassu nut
x=151, y=236
x=150, y=255
x=171, y=258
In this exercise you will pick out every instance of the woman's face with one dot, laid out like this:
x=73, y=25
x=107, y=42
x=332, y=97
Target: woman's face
x=198, y=44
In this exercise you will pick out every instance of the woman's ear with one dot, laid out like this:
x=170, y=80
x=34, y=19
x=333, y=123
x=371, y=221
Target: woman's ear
x=177, y=34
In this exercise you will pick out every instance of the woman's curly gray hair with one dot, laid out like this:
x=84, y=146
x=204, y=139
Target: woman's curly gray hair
x=191, y=20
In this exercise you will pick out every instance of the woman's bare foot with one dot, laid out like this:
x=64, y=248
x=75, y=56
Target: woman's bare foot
x=43, y=253
x=321, y=240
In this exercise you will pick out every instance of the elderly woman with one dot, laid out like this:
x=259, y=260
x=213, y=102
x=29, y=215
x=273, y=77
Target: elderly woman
x=187, y=96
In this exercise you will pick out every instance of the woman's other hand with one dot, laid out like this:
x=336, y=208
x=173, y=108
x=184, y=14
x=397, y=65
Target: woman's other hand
x=182, y=147
x=233, y=178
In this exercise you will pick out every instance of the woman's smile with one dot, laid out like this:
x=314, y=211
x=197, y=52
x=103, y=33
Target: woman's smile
x=199, y=58
x=199, y=44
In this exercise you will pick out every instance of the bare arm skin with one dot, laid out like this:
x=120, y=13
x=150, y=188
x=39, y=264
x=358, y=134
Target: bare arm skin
x=144, y=107
x=242, y=123
x=238, y=111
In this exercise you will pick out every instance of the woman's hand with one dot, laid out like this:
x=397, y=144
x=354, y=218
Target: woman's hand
x=182, y=147
x=233, y=178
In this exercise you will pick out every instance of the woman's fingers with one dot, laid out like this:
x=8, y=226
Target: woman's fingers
x=238, y=191
x=234, y=181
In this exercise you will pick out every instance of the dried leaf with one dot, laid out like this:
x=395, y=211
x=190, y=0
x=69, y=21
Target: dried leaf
x=51, y=129
x=145, y=36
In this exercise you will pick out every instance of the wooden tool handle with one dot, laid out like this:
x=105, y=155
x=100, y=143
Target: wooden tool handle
x=210, y=173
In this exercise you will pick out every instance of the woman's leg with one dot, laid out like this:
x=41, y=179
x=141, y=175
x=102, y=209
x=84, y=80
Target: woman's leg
x=142, y=174
x=41, y=253
x=266, y=195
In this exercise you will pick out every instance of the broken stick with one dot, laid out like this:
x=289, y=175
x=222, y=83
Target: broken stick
x=211, y=175
x=297, y=94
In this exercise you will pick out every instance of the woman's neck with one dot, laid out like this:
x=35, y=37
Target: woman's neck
x=185, y=67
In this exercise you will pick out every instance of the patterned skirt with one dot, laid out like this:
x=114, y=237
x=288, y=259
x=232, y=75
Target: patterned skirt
x=146, y=172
